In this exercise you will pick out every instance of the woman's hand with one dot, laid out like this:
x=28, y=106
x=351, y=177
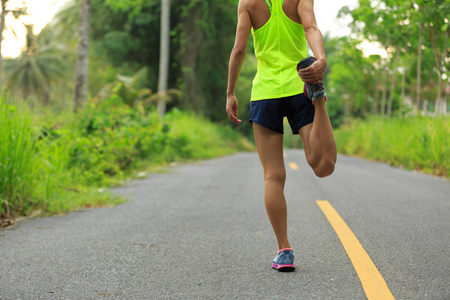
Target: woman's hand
x=314, y=73
x=232, y=109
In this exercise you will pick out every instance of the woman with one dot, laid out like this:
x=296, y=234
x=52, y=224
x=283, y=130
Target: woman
x=280, y=30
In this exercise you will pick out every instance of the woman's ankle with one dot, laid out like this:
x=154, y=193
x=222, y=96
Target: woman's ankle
x=284, y=246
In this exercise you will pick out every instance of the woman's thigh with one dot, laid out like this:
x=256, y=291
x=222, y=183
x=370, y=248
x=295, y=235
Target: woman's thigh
x=270, y=149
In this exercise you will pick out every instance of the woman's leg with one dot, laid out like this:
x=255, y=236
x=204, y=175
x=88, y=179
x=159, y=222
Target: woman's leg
x=318, y=141
x=270, y=149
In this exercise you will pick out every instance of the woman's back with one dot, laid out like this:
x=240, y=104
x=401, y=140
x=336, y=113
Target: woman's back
x=260, y=13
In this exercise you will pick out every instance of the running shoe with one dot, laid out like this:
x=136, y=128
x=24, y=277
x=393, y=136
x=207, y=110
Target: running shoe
x=312, y=91
x=284, y=261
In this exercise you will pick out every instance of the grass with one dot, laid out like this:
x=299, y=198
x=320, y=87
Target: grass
x=196, y=138
x=415, y=143
x=18, y=161
x=53, y=164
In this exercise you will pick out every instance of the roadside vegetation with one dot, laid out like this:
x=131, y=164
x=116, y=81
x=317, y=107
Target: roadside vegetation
x=416, y=143
x=52, y=164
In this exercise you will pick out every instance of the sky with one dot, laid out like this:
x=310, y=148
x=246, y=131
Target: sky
x=327, y=22
x=326, y=12
x=41, y=12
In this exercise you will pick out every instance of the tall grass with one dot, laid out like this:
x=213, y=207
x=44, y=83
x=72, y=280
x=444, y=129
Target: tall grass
x=420, y=143
x=18, y=161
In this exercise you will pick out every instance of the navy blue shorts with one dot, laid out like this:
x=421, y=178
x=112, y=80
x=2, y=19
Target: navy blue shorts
x=270, y=113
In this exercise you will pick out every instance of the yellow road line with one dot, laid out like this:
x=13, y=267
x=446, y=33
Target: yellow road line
x=373, y=283
x=293, y=166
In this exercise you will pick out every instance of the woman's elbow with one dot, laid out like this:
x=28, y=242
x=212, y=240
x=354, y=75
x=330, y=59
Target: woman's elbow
x=311, y=28
x=239, y=51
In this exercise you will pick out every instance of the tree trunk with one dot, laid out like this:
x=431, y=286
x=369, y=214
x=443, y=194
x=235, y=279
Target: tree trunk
x=425, y=108
x=2, y=28
x=193, y=35
x=164, y=56
x=402, y=97
x=419, y=71
x=440, y=61
x=376, y=94
x=81, y=81
x=383, y=97
x=46, y=97
x=437, y=107
x=445, y=100
x=346, y=108
x=392, y=87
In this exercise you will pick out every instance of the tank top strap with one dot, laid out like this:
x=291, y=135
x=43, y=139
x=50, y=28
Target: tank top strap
x=269, y=4
x=277, y=5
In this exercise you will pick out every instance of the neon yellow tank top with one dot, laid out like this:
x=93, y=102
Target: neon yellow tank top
x=279, y=45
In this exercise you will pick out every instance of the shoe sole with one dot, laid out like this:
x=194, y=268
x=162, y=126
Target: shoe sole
x=306, y=62
x=283, y=268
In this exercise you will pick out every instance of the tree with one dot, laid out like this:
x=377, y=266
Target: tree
x=37, y=67
x=437, y=27
x=202, y=35
x=164, y=54
x=193, y=35
x=16, y=13
x=419, y=58
x=206, y=35
x=2, y=27
x=81, y=80
x=403, y=27
x=349, y=71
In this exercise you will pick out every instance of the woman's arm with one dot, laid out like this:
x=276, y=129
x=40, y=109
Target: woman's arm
x=237, y=59
x=315, y=72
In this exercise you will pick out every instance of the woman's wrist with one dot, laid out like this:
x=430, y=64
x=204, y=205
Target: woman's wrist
x=322, y=60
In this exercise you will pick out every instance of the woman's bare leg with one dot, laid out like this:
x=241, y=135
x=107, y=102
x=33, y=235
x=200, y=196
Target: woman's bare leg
x=319, y=142
x=270, y=149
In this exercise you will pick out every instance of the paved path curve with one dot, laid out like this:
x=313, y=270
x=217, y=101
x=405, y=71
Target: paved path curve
x=201, y=232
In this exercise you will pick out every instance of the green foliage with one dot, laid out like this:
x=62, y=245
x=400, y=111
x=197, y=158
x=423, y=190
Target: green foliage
x=36, y=69
x=33, y=167
x=128, y=43
x=409, y=32
x=193, y=137
x=112, y=136
x=216, y=22
x=130, y=89
x=202, y=33
x=349, y=71
x=18, y=162
x=58, y=163
x=133, y=7
x=414, y=143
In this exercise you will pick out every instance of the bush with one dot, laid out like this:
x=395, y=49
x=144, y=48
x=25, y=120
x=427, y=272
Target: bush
x=111, y=137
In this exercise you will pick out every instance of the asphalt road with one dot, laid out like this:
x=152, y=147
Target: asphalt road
x=200, y=231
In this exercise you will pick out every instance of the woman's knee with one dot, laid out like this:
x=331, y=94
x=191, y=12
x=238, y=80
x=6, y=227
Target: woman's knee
x=276, y=176
x=325, y=168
